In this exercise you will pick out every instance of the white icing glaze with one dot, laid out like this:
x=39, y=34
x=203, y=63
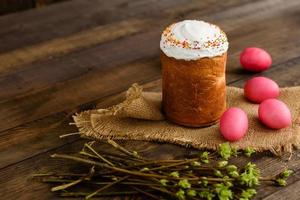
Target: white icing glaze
x=192, y=40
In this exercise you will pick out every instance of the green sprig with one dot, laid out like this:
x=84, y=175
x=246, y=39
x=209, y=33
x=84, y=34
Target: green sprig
x=180, y=194
x=249, y=151
x=247, y=194
x=223, y=191
x=250, y=176
x=184, y=183
x=225, y=150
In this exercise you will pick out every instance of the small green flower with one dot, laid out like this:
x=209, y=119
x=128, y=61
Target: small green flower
x=250, y=176
x=223, y=191
x=228, y=183
x=249, y=151
x=191, y=193
x=231, y=168
x=163, y=182
x=184, y=183
x=180, y=194
x=281, y=182
x=196, y=164
x=206, y=194
x=204, y=157
x=218, y=173
x=135, y=153
x=205, y=161
x=247, y=194
x=233, y=174
x=204, y=181
x=234, y=151
x=175, y=174
x=225, y=150
x=286, y=173
x=222, y=163
x=232, y=171
x=144, y=169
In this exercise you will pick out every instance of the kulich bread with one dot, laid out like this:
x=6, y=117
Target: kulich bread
x=194, y=92
x=193, y=77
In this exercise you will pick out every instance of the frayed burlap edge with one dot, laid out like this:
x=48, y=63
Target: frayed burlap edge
x=131, y=106
x=84, y=123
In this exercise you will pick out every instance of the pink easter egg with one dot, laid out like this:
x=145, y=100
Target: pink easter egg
x=274, y=114
x=255, y=59
x=233, y=124
x=259, y=89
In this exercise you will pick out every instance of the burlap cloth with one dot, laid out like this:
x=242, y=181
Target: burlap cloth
x=139, y=117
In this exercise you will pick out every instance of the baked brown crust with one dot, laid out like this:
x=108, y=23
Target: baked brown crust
x=194, y=92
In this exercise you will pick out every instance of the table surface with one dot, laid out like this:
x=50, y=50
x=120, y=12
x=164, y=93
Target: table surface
x=77, y=55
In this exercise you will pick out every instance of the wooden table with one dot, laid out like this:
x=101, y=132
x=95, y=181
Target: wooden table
x=78, y=54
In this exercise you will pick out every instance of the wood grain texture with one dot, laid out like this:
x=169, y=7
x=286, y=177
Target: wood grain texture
x=59, y=46
x=66, y=68
x=47, y=75
x=8, y=6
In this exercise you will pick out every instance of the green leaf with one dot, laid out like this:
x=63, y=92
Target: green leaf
x=223, y=191
x=228, y=183
x=196, y=164
x=231, y=168
x=247, y=194
x=233, y=174
x=144, y=169
x=281, y=182
x=222, y=163
x=250, y=176
x=180, y=194
x=218, y=173
x=234, y=151
x=249, y=151
x=286, y=173
x=204, y=156
x=232, y=171
x=204, y=181
x=184, y=183
x=206, y=194
x=163, y=182
x=191, y=193
x=225, y=150
x=175, y=174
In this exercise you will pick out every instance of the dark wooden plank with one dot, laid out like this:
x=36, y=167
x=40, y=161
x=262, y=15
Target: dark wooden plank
x=42, y=3
x=97, y=82
x=75, y=92
x=25, y=29
x=279, y=74
x=60, y=46
x=269, y=165
x=285, y=71
x=51, y=73
x=8, y=6
x=53, y=81
x=26, y=54
x=290, y=192
x=47, y=131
